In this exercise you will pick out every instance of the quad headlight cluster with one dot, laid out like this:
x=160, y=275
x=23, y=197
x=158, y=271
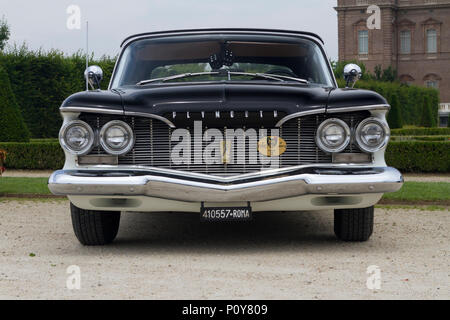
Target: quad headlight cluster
x=78, y=138
x=334, y=135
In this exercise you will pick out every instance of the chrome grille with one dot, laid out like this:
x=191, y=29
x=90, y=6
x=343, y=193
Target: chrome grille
x=153, y=144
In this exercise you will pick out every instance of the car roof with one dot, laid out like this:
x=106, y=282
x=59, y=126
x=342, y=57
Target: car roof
x=274, y=32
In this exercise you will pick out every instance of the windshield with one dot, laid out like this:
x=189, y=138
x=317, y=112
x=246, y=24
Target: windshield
x=146, y=62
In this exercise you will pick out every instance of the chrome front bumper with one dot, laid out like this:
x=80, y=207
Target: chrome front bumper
x=198, y=188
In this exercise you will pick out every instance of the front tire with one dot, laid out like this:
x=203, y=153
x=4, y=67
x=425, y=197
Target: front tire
x=354, y=224
x=94, y=228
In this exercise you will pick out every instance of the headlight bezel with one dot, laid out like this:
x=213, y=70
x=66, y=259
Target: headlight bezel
x=66, y=146
x=110, y=150
x=329, y=149
x=386, y=130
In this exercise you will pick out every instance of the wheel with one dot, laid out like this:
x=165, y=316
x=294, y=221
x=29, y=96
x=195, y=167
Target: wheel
x=95, y=228
x=354, y=224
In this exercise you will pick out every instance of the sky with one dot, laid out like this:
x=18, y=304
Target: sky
x=43, y=23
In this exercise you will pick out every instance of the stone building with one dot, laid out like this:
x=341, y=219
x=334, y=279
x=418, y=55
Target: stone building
x=413, y=37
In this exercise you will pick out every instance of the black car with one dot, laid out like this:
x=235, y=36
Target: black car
x=224, y=123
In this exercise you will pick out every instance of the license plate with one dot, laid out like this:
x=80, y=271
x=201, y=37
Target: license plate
x=226, y=214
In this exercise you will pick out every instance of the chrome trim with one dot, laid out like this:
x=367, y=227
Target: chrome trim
x=376, y=180
x=219, y=179
x=360, y=108
x=221, y=31
x=118, y=112
x=91, y=110
x=300, y=114
x=149, y=115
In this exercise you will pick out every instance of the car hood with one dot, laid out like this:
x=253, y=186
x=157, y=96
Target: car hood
x=354, y=98
x=161, y=100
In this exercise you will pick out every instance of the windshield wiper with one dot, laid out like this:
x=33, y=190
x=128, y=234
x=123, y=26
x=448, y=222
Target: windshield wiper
x=175, y=77
x=223, y=73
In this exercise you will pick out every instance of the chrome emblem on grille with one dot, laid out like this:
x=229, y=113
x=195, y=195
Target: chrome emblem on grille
x=272, y=146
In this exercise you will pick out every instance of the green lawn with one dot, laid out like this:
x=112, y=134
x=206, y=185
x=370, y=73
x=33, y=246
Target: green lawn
x=23, y=186
x=421, y=191
x=411, y=191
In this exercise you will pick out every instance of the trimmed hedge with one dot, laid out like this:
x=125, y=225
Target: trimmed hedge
x=419, y=156
x=421, y=132
x=33, y=156
x=414, y=105
x=420, y=138
x=407, y=156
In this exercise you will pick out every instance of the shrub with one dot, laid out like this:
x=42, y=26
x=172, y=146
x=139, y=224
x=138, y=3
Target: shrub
x=2, y=161
x=41, y=81
x=33, y=156
x=426, y=119
x=394, y=117
x=421, y=132
x=419, y=156
x=409, y=97
x=420, y=138
x=12, y=126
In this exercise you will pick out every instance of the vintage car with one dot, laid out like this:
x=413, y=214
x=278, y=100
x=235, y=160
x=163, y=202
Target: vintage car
x=223, y=123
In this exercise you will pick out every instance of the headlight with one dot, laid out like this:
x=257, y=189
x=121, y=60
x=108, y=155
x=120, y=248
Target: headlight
x=372, y=135
x=77, y=137
x=116, y=137
x=333, y=135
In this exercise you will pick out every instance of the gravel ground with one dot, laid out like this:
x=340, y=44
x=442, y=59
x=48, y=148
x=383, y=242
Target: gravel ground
x=174, y=256
x=427, y=177
x=408, y=177
x=27, y=174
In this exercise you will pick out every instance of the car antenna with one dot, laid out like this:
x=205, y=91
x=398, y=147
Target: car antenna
x=87, y=53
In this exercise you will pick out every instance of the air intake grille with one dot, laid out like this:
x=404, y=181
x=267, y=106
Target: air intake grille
x=153, y=145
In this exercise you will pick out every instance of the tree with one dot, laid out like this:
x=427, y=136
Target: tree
x=427, y=113
x=12, y=126
x=394, y=117
x=4, y=33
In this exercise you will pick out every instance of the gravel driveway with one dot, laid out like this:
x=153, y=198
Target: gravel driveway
x=174, y=256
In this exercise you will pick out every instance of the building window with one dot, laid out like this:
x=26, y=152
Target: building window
x=405, y=42
x=363, y=41
x=431, y=41
x=432, y=84
x=406, y=79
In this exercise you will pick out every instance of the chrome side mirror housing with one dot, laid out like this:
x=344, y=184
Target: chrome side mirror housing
x=94, y=75
x=352, y=73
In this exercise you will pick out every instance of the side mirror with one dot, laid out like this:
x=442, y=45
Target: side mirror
x=352, y=73
x=94, y=75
